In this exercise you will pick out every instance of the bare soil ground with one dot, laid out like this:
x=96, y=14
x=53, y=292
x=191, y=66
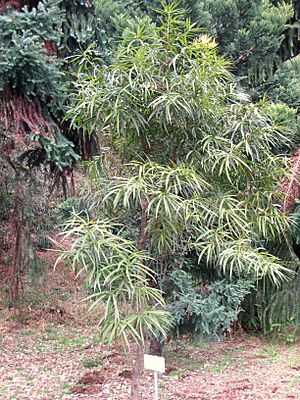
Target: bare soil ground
x=60, y=358
x=53, y=353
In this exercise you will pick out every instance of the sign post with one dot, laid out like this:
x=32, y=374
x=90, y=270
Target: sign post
x=155, y=385
x=155, y=364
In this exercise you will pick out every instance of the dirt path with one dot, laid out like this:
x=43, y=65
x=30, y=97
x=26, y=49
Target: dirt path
x=61, y=359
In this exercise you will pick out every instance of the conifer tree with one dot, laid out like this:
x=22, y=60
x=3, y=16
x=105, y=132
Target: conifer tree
x=35, y=38
x=291, y=45
x=249, y=33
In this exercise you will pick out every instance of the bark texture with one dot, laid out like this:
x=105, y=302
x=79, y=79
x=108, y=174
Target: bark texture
x=136, y=374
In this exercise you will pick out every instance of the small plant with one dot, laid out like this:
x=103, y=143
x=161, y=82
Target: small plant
x=222, y=363
x=66, y=387
x=161, y=384
x=66, y=341
x=51, y=330
x=268, y=352
x=65, y=209
x=92, y=362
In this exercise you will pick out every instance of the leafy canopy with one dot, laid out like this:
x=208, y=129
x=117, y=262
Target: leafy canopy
x=249, y=33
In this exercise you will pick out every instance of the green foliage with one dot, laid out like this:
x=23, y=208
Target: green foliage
x=65, y=209
x=290, y=48
x=208, y=182
x=286, y=83
x=285, y=118
x=282, y=307
x=249, y=32
x=225, y=230
x=34, y=41
x=80, y=25
x=59, y=152
x=205, y=310
x=24, y=63
x=170, y=81
x=273, y=309
x=115, y=269
x=92, y=362
x=177, y=100
x=270, y=308
x=162, y=81
x=33, y=45
x=114, y=16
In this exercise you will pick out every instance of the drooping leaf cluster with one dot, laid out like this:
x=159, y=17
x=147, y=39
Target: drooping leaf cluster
x=81, y=27
x=120, y=278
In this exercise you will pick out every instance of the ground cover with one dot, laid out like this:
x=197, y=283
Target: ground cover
x=50, y=350
x=59, y=357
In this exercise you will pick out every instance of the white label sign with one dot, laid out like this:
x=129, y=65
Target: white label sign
x=154, y=363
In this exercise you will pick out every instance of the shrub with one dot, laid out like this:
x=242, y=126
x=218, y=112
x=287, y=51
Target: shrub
x=207, y=311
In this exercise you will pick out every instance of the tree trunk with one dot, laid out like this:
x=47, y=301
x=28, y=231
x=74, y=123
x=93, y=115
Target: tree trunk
x=64, y=185
x=136, y=374
x=139, y=360
x=144, y=144
x=143, y=224
x=15, y=273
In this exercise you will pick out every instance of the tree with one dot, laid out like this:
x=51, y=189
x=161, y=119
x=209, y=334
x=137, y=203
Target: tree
x=208, y=182
x=116, y=270
x=286, y=83
x=250, y=34
x=35, y=36
x=29, y=78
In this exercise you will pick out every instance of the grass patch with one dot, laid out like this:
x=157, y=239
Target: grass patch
x=176, y=372
x=66, y=341
x=268, y=352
